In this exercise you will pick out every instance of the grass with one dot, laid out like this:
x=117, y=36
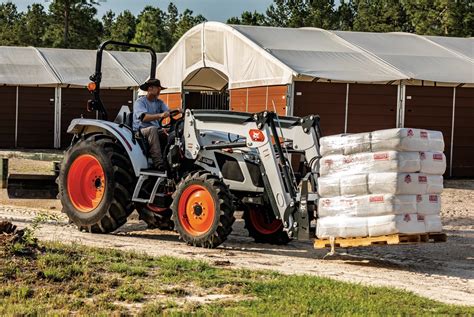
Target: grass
x=61, y=279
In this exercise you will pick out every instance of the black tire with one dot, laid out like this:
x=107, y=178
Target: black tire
x=116, y=202
x=156, y=220
x=220, y=200
x=263, y=226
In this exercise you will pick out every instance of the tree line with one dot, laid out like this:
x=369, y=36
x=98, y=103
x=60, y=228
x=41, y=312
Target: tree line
x=73, y=23
x=424, y=17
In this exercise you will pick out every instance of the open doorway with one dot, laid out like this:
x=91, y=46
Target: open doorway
x=206, y=88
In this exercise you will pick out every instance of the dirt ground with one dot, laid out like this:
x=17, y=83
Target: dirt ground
x=441, y=271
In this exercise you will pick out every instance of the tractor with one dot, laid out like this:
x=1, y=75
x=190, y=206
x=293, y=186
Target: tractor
x=217, y=162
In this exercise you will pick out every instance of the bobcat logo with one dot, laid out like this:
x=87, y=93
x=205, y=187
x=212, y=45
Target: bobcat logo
x=408, y=179
x=410, y=132
x=406, y=218
x=422, y=156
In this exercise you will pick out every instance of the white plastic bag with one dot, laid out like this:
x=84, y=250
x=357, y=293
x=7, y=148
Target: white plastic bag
x=341, y=227
x=429, y=204
x=367, y=162
x=433, y=223
x=367, y=205
x=433, y=163
x=400, y=139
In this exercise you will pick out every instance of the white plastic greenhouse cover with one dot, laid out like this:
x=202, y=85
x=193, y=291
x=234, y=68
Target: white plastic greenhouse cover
x=464, y=46
x=212, y=54
x=320, y=54
x=73, y=67
x=221, y=47
x=24, y=66
x=137, y=64
x=415, y=56
x=257, y=56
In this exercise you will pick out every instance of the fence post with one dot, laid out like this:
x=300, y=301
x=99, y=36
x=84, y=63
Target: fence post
x=3, y=172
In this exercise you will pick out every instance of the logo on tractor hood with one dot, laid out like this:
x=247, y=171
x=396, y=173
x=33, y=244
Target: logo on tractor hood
x=256, y=135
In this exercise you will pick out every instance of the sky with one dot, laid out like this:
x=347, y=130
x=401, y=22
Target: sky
x=212, y=10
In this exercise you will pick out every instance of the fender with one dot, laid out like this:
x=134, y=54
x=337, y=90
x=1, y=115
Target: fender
x=123, y=135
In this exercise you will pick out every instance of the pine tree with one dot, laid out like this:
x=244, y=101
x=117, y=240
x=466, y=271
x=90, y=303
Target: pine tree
x=150, y=29
x=171, y=25
x=249, y=18
x=9, y=23
x=35, y=22
x=72, y=24
x=108, y=20
x=380, y=16
x=321, y=14
x=441, y=17
x=344, y=16
x=123, y=29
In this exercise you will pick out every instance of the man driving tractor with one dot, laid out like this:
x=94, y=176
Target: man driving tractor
x=148, y=111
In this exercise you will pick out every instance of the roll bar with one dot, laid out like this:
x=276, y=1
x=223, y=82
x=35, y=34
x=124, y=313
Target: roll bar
x=96, y=102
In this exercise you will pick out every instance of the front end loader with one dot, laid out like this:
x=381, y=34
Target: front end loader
x=217, y=162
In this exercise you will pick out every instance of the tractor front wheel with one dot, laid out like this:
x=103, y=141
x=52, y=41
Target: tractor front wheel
x=203, y=211
x=96, y=183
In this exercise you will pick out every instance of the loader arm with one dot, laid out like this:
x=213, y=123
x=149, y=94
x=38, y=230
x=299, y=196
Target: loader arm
x=258, y=131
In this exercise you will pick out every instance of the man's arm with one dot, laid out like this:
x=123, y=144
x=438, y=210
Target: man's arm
x=147, y=117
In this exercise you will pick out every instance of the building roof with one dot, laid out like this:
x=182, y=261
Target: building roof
x=72, y=67
x=212, y=55
x=256, y=56
x=416, y=56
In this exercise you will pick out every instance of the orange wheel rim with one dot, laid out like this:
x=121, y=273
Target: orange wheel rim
x=196, y=210
x=86, y=183
x=263, y=224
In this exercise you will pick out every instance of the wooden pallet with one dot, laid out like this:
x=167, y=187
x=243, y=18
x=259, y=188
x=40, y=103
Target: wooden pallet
x=381, y=240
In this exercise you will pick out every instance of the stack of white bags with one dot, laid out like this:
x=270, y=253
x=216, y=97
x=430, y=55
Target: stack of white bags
x=380, y=183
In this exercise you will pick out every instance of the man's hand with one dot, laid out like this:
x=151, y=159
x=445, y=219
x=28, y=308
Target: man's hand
x=165, y=114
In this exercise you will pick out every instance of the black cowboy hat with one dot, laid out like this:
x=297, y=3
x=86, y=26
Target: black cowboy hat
x=150, y=83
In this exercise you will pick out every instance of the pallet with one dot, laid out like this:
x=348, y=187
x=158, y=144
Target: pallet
x=380, y=240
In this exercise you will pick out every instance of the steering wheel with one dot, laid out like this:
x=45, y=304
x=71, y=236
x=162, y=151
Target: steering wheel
x=171, y=119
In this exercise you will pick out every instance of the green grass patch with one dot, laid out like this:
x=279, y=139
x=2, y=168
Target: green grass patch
x=74, y=279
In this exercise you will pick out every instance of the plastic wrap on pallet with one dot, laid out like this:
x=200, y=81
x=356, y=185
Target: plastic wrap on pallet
x=435, y=184
x=367, y=205
x=353, y=184
x=386, y=161
x=329, y=186
x=333, y=144
x=341, y=227
x=404, y=183
x=428, y=204
x=433, y=223
x=350, y=227
x=432, y=163
x=380, y=183
x=392, y=224
x=345, y=144
x=382, y=225
x=435, y=141
x=407, y=139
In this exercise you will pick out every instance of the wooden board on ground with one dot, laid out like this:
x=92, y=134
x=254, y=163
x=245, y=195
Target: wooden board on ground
x=381, y=240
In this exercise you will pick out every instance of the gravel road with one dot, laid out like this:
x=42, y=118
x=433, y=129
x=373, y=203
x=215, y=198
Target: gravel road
x=441, y=271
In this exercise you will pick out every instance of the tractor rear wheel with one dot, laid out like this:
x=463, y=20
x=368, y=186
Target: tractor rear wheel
x=96, y=183
x=203, y=211
x=263, y=226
